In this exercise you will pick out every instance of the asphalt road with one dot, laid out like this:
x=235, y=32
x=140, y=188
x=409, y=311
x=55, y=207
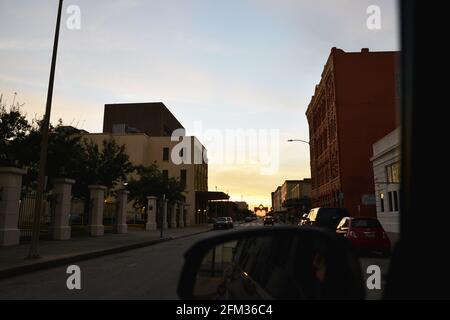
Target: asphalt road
x=147, y=273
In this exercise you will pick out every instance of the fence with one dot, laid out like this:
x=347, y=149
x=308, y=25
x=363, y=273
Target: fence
x=26, y=215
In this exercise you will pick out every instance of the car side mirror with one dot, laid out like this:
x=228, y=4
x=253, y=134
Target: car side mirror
x=280, y=263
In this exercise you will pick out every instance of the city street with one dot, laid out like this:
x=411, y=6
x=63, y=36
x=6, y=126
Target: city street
x=147, y=273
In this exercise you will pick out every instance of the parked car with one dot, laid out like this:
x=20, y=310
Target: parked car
x=269, y=220
x=303, y=219
x=325, y=217
x=365, y=234
x=223, y=223
x=75, y=218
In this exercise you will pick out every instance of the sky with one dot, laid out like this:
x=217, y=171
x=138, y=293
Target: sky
x=222, y=66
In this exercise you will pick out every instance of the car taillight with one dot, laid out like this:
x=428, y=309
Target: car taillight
x=352, y=234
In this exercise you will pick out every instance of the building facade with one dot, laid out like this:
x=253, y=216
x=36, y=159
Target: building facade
x=291, y=200
x=151, y=118
x=354, y=105
x=386, y=171
x=276, y=200
x=145, y=150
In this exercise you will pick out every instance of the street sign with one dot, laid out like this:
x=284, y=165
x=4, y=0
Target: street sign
x=368, y=200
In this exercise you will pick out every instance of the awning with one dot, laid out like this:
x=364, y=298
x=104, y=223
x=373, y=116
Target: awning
x=211, y=195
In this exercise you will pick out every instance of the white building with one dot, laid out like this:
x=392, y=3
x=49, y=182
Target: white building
x=386, y=169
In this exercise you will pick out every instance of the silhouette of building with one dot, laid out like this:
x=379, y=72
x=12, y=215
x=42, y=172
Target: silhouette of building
x=151, y=118
x=353, y=106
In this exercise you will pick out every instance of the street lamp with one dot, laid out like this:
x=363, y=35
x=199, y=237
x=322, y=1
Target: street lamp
x=33, y=254
x=298, y=140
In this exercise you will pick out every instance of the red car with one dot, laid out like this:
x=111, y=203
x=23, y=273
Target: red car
x=365, y=234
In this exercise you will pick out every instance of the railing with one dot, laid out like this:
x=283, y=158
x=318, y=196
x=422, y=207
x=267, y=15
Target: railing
x=26, y=215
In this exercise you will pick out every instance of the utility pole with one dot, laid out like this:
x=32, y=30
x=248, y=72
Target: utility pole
x=33, y=254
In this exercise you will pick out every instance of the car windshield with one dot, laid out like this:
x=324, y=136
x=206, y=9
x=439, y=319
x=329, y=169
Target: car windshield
x=329, y=213
x=365, y=223
x=221, y=219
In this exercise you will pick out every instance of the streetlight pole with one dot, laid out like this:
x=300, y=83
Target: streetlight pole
x=298, y=140
x=33, y=254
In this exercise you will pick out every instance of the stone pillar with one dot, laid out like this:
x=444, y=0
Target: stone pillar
x=120, y=225
x=151, y=214
x=181, y=221
x=62, y=189
x=10, y=185
x=164, y=213
x=97, y=199
x=173, y=216
x=187, y=218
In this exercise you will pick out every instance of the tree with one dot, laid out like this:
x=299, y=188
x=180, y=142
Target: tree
x=104, y=166
x=151, y=182
x=65, y=156
x=14, y=128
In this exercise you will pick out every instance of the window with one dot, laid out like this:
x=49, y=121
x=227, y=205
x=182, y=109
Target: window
x=183, y=178
x=395, y=200
x=381, y=202
x=166, y=154
x=393, y=173
x=165, y=174
x=390, y=201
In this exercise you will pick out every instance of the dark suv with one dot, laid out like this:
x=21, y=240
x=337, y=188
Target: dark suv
x=269, y=220
x=325, y=217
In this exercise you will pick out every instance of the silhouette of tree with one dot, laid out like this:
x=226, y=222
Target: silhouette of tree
x=151, y=182
x=14, y=128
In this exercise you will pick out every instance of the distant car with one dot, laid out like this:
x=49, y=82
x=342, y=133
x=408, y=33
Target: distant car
x=223, y=223
x=248, y=219
x=366, y=235
x=75, y=218
x=269, y=220
x=211, y=220
x=327, y=218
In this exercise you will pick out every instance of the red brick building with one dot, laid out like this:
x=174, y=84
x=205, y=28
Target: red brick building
x=353, y=106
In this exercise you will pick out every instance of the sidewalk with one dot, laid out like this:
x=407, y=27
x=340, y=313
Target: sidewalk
x=56, y=253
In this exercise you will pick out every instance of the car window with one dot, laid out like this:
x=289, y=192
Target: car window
x=365, y=223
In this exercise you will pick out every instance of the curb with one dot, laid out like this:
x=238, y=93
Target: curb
x=56, y=262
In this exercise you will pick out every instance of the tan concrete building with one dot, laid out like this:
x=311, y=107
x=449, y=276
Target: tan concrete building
x=145, y=150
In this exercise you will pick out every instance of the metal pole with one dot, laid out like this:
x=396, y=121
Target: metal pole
x=33, y=254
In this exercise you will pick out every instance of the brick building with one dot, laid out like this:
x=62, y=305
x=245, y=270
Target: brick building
x=152, y=118
x=353, y=106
